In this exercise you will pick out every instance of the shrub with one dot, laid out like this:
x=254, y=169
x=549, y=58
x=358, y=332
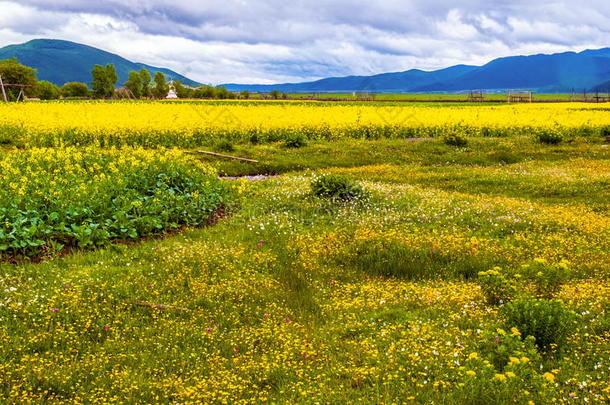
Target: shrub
x=75, y=89
x=224, y=145
x=89, y=196
x=455, y=140
x=336, y=187
x=549, y=137
x=502, y=347
x=546, y=278
x=549, y=322
x=605, y=132
x=295, y=141
x=498, y=287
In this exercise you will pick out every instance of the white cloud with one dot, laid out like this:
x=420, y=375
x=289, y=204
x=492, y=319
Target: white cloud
x=262, y=41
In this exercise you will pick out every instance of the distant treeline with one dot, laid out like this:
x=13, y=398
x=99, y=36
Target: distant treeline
x=104, y=80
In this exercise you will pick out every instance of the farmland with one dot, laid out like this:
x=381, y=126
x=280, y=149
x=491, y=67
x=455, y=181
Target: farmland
x=470, y=266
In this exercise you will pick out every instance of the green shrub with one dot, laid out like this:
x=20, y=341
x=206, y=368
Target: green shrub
x=295, y=141
x=546, y=278
x=336, y=187
x=549, y=137
x=605, y=132
x=87, y=197
x=224, y=145
x=455, y=140
x=502, y=347
x=549, y=322
x=498, y=287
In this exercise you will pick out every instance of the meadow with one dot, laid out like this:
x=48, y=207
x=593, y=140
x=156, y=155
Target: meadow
x=459, y=255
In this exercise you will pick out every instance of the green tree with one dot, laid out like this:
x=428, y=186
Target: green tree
x=181, y=91
x=145, y=80
x=275, y=94
x=46, y=90
x=134, y=84
x=103, y=80
x=14, y=72
x=75, y=89
x=161, y=88
x=205, y=92
x=245, y=94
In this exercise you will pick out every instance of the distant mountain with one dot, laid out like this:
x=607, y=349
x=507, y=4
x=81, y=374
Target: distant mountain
x=562, y=72
x=63, y=61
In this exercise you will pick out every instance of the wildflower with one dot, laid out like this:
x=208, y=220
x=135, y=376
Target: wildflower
x=287, y=320
x=549, y=377
x=473, y=355
x=471, y=372
x=500, y=377
x=55, y=310
x=510, y=374
x=266, y=316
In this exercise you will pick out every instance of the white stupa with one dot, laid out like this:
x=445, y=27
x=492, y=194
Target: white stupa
x=172, y=91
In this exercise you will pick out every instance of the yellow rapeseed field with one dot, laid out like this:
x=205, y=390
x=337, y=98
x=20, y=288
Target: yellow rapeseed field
x=191, y=124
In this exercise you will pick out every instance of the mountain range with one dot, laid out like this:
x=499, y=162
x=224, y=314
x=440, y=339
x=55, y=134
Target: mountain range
x=555, y=73
x=60, y=62
x=63, y=61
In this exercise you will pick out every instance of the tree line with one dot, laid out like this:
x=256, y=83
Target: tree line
x=103, y=84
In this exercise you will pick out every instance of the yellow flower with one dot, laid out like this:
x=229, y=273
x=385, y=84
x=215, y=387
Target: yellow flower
x=549, y=376
x=471, y=372
x=473, y=355
x=510, y=374
x=500, y=377
x=514, y=360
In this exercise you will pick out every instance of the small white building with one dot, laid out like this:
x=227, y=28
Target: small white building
x=172, y=92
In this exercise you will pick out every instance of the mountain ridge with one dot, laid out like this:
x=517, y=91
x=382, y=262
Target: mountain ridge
x=59, y=61
x=553, y=73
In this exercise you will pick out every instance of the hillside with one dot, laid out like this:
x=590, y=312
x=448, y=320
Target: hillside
x=554, y=73
x=63, y=61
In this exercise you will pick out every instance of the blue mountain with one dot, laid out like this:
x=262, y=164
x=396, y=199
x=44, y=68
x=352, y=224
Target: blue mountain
x=63, y=61
x=555, y=73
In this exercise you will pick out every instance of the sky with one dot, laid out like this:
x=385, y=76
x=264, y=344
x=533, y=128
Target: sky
x=277, y=41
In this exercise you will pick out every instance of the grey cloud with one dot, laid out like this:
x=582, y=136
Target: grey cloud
x=283, y=40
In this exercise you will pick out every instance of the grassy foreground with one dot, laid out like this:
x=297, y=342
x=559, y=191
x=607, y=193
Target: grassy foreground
x=295, y=299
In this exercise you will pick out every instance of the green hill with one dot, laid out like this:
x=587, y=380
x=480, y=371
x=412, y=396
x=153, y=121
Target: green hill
x=63, y=61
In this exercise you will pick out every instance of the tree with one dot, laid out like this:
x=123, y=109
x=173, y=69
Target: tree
x=13, y=72
x=245, y=94
x=74, y=89
x=275, y=94
x=134, y=84
x=205, y=92
x=181, y=91
x=145, y=81
x=46, y=90
x=161, y=88
x=103, y=80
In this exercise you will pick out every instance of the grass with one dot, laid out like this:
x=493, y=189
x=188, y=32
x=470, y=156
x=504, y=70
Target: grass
x=298, y=299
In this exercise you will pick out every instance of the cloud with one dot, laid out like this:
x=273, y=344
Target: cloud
x=268, y=41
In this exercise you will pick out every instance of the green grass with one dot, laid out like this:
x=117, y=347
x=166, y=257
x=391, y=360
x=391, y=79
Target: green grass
x=298, y=299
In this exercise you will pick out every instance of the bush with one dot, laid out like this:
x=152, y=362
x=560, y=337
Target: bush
x=75, y=89
x=549, y=137
x=295, y=141
x=455, y=140
x=336, y=187
x=87, y=197
x=224, y=146
x=546, y=278
x=549, y=322
x=497, y=286
x=605, y=132
x=502, y=347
